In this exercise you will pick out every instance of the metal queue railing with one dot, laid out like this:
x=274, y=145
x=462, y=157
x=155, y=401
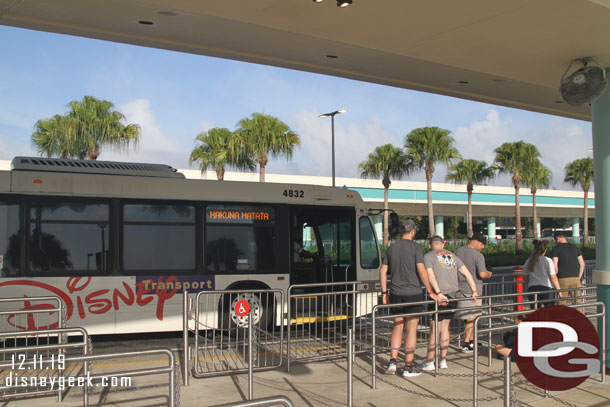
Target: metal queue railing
x=29, y=314
x=507, y=283
x=51, y=367
x=33, y=313
x=220, y=335
x=496, y=310
x=319, y=316
x=600, y=315
x=381, y=312
x=36, y=361
x=171, y=369
x=264, y=402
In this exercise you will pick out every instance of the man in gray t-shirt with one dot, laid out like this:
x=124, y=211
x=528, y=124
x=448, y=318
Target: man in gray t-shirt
x=443, y=268
x=405, y=263
x=402, y=258
x=475, y=262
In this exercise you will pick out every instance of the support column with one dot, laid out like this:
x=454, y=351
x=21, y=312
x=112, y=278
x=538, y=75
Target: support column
x=576, y=230
x=491, y=229
x=378, y=223
x=439, y=225
x=538, y=228
x=600, y=117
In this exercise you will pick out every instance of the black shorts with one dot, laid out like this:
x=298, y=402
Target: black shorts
x=398, y=299
x=441, y=317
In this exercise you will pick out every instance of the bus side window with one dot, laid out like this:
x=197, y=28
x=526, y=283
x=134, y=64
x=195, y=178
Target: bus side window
x=9, y=240
x=68, y=236
x=369, y=257
x=240, y=239
x=159, y=238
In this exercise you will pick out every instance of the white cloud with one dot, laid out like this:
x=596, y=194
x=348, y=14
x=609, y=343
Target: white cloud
x=352, y=145
x=155, y=146
x=480, y=139
x=559, y=142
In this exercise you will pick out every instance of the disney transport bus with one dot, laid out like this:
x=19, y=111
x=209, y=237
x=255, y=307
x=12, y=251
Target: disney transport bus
x=119, y=242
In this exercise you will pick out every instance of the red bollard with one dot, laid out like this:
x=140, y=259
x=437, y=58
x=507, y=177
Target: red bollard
x=518, y=286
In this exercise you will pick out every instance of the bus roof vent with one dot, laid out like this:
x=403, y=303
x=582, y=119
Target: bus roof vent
x=93, y=167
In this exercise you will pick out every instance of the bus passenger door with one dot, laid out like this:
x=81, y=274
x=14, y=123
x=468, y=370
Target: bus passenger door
x=322, y=245
x=307, y=255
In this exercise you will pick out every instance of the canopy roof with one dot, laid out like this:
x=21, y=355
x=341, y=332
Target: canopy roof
x=510, y=53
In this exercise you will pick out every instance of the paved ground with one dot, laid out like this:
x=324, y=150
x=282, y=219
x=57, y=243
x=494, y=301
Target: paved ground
x=320, y=384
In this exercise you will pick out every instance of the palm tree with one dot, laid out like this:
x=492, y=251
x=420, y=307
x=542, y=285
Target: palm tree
x=514, y=158
x=264, y=135
x=425, y=147
x=581, y=172
x=471, y=172
x=50, y=135
x=89, y=125
x=218, y=149
x=536, y=176
x=385, y=162
x=96, y=123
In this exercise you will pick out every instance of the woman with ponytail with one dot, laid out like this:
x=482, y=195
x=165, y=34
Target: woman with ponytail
x=540, y=274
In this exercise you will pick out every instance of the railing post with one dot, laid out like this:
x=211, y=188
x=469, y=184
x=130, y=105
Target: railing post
x=350, y=360
x=185, y=336
x=475, y=364
x=603, y=335
x=374, y=350
x=86, y=372
x=250, y=367
x=507, y=382
x=289, y=320
x=489, y=352
x=437, y=347
x=518, y=286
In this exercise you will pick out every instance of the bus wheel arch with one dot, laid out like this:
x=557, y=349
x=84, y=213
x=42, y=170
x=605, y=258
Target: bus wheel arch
x=262, y=309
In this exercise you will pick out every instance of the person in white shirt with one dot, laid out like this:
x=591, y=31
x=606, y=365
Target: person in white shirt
x=540, y=275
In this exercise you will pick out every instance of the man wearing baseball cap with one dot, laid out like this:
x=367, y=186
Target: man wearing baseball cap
x=475, y=262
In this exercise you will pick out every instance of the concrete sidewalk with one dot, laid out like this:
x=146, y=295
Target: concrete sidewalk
x=325, y=384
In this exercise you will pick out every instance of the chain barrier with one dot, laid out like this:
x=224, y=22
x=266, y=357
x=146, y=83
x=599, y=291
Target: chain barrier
x=434, y=396
x=470, y=375
x=538, y=390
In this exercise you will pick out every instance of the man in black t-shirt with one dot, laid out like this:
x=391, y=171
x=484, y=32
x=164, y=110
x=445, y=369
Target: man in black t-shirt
x=405, y=263
x=569, y=265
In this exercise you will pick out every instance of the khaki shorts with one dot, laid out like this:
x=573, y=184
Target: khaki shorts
x=467, y=303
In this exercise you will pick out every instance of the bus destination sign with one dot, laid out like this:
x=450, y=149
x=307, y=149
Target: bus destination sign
x=239, y=214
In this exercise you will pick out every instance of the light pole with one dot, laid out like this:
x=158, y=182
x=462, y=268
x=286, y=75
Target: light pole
x=332, y=118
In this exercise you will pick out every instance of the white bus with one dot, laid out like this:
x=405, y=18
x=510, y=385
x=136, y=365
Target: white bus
x=119, y=242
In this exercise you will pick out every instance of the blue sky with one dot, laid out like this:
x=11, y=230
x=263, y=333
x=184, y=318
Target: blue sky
x=174, y=96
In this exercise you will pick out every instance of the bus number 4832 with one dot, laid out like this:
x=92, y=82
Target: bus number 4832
x=294, y=193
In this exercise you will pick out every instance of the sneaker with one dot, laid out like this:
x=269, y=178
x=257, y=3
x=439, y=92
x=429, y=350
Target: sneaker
x=391, y=369
x=410, y=371
x=442, y=364
x=427, y=366
x=468, y=347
